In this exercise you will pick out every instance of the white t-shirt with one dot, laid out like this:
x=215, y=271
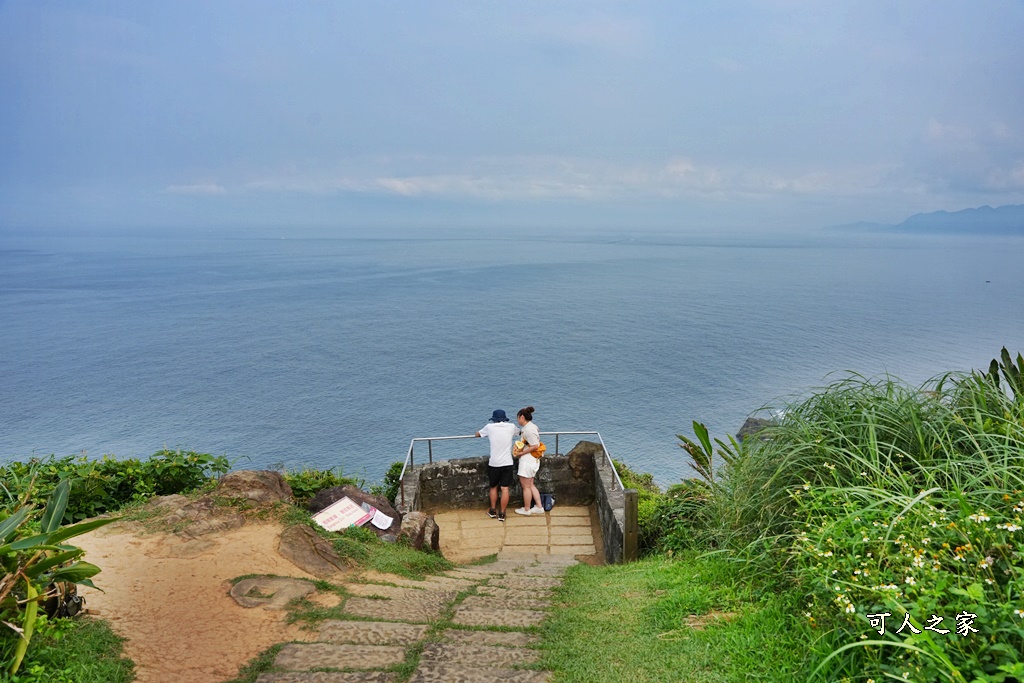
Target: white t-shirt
x=501, y=434
x=531, y=434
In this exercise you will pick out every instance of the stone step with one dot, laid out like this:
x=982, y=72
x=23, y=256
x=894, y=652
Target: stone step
x=489, y=655
x=515, y=618
x=514, y=593
x=471, y=575
x=526, y=582
x=503, y=602
x=327, y=677
x=366, y=590
x=371, y=632
x=437, y=672
x=412, y=610
x=500, y=638
x=306, y=656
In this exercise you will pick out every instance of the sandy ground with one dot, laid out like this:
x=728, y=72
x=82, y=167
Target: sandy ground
x=169, y=597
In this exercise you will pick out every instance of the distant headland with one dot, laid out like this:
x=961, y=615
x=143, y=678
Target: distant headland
x=984, y=220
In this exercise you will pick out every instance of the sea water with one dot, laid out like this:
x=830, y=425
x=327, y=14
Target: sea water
x=337, y=352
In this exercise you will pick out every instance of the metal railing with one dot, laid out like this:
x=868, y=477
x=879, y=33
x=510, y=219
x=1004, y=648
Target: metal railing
x=411, y=463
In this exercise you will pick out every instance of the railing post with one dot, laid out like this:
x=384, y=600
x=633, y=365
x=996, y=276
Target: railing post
x=631, y=534
x=430, y=450
x=556, y=445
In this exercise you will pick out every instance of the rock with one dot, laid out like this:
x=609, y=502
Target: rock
x=336, y=493
x=413, y=528
x=752, y=426
x=173, y=502
x=389, y=538
x=432, y=535
x=269, y=592
x=301, y=546
x=258, y=486
x=421, y=531
x=582, y=457
x=203, y=516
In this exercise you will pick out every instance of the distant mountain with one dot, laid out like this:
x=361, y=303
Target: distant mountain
x=1004, y=220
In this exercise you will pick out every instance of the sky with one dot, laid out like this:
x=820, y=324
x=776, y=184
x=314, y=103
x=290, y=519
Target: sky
x=763, y=115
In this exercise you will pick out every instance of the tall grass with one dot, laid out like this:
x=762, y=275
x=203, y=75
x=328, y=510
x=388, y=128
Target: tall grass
x=874, y=497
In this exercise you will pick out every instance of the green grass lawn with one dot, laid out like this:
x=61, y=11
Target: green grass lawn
x=688, y=619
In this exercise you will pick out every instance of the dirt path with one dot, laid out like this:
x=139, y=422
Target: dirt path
x=169, y=597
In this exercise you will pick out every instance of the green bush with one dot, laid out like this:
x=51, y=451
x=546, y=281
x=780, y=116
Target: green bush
x=872, y=497
x=649, y=500
x=307, y=482
x=107, y=484
x=392, y=480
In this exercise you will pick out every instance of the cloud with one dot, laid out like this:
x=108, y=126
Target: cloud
x=208, y=189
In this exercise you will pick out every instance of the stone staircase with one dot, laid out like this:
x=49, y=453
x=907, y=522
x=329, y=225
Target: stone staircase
x=471, y=625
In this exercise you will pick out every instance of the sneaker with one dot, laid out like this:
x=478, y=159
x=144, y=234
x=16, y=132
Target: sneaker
x=491, y=513
x=501, y=516
x=522, y=511
x=536, y=510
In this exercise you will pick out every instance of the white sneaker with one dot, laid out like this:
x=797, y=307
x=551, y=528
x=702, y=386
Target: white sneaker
x=522, y=511
x=536, y=510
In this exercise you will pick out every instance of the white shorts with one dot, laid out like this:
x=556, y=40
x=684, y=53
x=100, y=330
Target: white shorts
x=528, y=466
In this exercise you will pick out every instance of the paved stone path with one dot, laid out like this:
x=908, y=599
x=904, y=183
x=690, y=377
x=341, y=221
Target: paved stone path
x=472, y=625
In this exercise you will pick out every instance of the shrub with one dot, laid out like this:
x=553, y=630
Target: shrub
x=875, y=498
x=389, y=485
x=307, y=482
x=107, y=484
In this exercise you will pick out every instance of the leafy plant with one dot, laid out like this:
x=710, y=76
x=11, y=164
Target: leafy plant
x=702, y=454
x=35, y=558
x=389, y=486
x=307, y=482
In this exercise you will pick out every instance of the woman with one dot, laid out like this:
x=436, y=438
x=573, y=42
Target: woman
x=528, y=451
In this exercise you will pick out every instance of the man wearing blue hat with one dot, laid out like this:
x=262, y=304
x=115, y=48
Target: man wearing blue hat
x=500, y=467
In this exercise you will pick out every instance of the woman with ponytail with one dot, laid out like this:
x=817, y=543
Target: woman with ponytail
x=529, y=451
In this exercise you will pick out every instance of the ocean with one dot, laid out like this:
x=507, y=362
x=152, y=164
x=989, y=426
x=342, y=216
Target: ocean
x=336, y=352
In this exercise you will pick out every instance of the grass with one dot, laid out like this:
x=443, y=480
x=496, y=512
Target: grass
x=82, y=650
x=629, y=623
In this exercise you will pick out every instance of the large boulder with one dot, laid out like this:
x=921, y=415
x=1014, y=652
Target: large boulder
x=332, y=495
x=582, y=457
x=421, y=531
x=753, y=426
x=257, y=486
x=304, y=548
x=201, y=517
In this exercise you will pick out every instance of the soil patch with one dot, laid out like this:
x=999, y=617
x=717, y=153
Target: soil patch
x=168, y=596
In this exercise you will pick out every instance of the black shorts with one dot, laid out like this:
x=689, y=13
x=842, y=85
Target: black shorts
x=500, y=476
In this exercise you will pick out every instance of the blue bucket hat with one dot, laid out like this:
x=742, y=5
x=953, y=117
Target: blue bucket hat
x=498, y=416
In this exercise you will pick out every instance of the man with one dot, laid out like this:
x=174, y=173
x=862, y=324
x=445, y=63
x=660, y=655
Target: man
x=500, y=467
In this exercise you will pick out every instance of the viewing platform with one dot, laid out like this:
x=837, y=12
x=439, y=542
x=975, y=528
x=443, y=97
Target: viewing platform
x=594, y=518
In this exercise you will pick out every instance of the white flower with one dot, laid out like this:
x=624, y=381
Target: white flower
x=980, y=516
x=986, y=563
x=1009, y=527
x=917, y=562
x=909, y=580
x=850, y=609
x=1019, y=613
x=807, y=487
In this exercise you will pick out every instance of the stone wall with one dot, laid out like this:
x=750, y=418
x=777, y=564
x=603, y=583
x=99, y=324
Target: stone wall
x=463, y=483
x=583, y=476
x=611, y=513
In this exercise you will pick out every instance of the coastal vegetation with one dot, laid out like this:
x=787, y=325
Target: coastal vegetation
x=875, y=532
x=46, y=501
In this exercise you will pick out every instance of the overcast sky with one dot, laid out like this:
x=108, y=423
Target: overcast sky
x=765, y=114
